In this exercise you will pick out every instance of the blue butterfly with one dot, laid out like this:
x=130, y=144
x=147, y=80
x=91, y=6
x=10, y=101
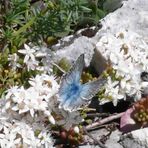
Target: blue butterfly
x=73, y=94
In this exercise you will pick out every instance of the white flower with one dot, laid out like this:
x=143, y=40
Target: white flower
x=50, y=117
x=22, y=133
x=112, y=90
x=28, y=52
x=18, y=94
x=116, y=95
x=38, y=97
x=21, y=130
x=11, y=91
x=45, y=139
x=125, y=86
x=32, y=64
x=29, y=59
x=29, y=100
x=19, y=101
x=33, y=54
x=13, y=61
x=9, y=137
x=45, y=85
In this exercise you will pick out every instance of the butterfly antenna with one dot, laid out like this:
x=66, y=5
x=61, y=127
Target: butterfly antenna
x=61, y=69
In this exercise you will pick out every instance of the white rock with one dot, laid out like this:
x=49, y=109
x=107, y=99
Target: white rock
x=79, y=45
x=136, y=139
x=133, y=15
x=112, y=142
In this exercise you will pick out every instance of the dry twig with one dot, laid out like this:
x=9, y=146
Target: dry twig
x=103, y=121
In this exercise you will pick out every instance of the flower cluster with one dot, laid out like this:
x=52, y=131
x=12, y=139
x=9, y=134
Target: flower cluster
x=35, y=98
x=127, y=54
x=25, y=112
x=31, y=57
x=20, y=134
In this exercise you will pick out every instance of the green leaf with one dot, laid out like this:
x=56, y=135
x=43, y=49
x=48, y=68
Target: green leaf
x=24, y=28
x=85, y=9
x=101, y=13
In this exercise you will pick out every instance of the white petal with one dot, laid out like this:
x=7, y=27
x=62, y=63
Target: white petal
x=51, y=119
x=122, y=83
x=22, y=51
x=26, y=59
x=17, y=141
x=27, y=47
x=32, y=57
x=15, y=108
x=32, y=112
x=7, y=105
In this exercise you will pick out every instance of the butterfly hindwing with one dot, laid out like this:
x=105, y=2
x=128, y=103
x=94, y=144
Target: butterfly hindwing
x=90, y=89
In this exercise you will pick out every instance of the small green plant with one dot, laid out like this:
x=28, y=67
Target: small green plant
x=64, y=64
x=70, y=137
x=10, y=76
x=87, y=77
x=24, y=21
x=140, y=113
x=39, y=22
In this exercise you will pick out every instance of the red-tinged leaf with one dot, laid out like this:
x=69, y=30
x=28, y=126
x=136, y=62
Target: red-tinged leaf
x=127, y=123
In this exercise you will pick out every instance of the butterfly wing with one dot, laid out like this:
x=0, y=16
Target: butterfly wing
x=90, y=89
x=87, y=91
x=71, y=79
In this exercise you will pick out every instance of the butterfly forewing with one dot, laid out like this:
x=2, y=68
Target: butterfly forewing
x=76, y=70
x=72, y=77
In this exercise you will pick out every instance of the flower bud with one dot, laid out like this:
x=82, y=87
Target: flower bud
x=76, y=129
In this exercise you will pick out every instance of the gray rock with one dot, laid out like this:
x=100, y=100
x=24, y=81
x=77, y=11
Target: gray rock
x=111, y=5
x=98, y=62
x=112, y=141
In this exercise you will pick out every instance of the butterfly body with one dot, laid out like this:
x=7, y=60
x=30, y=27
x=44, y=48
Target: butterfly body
x=73, y=90
x=73, y=94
